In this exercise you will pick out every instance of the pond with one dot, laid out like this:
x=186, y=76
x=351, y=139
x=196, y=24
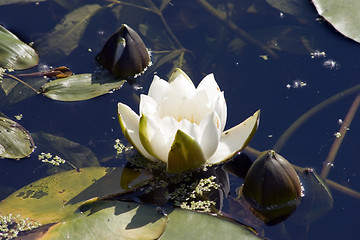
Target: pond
x=263, y=56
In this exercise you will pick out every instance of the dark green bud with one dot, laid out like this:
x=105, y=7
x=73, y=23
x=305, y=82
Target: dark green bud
x=124, y=54
x=272, y=188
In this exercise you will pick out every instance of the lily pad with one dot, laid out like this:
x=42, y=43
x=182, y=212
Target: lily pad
x=58, y=204
x=125, y=220
x=80, y=87
x=8, y=2
x=15, y=141
x=343, y=15
x=181, y=226
x=53, y=198
x=15, y=54
x=109, y=220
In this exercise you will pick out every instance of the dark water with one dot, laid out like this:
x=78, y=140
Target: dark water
x=249, y=83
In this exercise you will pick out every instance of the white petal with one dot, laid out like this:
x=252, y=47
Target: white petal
x=210, y=134
x=221, y=110
x=157, y=88
x=210, y=86
x=168, y=127
x=191, y=129
x=147, y=105
x=198, y=106
x=129, y=122
x=178, y=93
x=181, y=80
x=235, y=139
x=152, y=138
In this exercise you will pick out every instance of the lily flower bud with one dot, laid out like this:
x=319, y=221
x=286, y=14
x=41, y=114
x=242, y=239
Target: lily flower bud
x=124, y=54
x=272, y=188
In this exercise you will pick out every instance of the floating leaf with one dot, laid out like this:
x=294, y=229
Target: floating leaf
x=53, y=198
x=76, y=154
x=126, y=220
x=109, y=220
x=8, y=2
x=127, y=176
x=317, y=200
x=66, y=35
x=343, y=15
x=79, y=87
x=181, y=226
x=15, y=54
x=15, y=141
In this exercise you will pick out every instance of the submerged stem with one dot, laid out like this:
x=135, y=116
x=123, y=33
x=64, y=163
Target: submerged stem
x=21, y=81
x=338, y=140
x=157, y=11
x=293, y=127
x=343, y=189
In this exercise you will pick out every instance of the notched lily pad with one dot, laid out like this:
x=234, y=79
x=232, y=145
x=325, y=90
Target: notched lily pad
x=109, y=220
x=15, y=54
x=53, y=198
x=15, y=141
x=181, y=226
x=80, y=87
x=126, y=220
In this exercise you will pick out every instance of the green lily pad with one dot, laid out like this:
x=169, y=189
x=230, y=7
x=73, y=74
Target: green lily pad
x=8, y=2
x=15, y=141
x=109, y=220
x=343, y=15
x=80, y=87
x=181, y=225
x=53, y=198
x=126, y=220
x=57, y=203
x=15, y=54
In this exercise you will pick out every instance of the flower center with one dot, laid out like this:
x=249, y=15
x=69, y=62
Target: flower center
x=191, y=119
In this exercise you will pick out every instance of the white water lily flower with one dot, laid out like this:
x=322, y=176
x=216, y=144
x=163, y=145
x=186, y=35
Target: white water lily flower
x=182, y=125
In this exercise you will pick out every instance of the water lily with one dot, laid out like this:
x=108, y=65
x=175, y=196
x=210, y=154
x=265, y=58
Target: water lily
x=182, y=125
